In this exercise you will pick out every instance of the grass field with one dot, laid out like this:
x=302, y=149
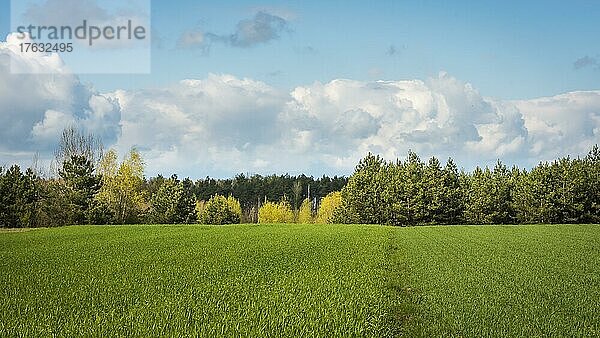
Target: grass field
x=290, y=280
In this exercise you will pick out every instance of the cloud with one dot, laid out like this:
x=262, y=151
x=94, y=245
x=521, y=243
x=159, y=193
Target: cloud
x=586, y=62
x=391, y=51
x=73, y=13
x=191, y=39
x=338, y=122
x=35, y=108
x=281, y=12
x=66, y=12
x=566, y=124
x=222, y=125
x=261, y=29
x=52, y=125
x=209, y=125
x=443, y=116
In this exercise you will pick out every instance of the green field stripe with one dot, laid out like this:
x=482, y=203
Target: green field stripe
x=504, y=281
x=295, y=280
x=207, y=281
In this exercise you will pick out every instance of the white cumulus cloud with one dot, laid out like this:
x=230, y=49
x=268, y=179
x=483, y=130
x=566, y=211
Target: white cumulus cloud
x=442, y=116
x=566, y=124
x=35, y=108
x=215, y=124
x=222, y=125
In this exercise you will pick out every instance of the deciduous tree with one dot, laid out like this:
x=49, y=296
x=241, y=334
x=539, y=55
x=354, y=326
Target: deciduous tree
x=122, y=186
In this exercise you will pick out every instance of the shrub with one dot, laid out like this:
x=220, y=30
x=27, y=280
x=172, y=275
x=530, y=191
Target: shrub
x=276, y=212
x=173, y=203
x=220, y=210
x=235, y=207
x=329, y=206
x=305, y=214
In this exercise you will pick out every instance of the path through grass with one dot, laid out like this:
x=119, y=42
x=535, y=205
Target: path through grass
x=510, y=281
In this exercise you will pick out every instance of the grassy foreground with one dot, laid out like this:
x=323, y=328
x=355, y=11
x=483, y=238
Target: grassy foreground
x=501, y=281
x=290, y=280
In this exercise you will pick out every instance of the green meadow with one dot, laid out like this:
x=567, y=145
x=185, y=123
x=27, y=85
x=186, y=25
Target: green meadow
x=301, y=280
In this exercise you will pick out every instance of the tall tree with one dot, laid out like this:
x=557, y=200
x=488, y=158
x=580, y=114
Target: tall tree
x=394, y=195
x=572, y=189
x=478, y=199
x=297, y=192
x=164, y=202
x=363, y=193
x=414, y=198
x=74, y=142
x=19, y=195
x=540, y=201
x=433, y=192
x=452, y=196
x=592, y=165
x=173, y=203
x=81, y=185
x=122, y=186
x=501, y=211
x=185, y=211
x=328, y=208
x=305, y=215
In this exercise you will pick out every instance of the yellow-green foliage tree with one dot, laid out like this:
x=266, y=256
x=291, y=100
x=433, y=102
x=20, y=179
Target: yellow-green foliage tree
x=276, y=212
x=200, y=209
x=329, y=205
x=121, y=191
x=235, y=206
x=220, y=210
x=305, y=214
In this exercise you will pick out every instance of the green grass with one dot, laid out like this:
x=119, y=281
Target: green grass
x=194, y=280
x=291, y=280
x=510, y=281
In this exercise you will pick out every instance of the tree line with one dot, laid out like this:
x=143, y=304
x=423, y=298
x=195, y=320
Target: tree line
x=91, y=186
x=88, y=185
x=250, y=193
x=413, y=192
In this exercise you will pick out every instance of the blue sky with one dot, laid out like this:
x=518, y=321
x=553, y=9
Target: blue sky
x=485, y=64
x=509, y=50
x=506, y=49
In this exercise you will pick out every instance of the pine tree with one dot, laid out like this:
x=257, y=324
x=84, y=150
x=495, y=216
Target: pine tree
x=478, y=199
x=19, y=196
x=500, y=209
x=164, y=202
x=414, y=197
x=592, y=170
x=452, y=196
x=363, y=193
x=394, y=194
x=185, y=211
x=541, y=201
x=220, y=210
x=81, y=185
x=433, y=192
